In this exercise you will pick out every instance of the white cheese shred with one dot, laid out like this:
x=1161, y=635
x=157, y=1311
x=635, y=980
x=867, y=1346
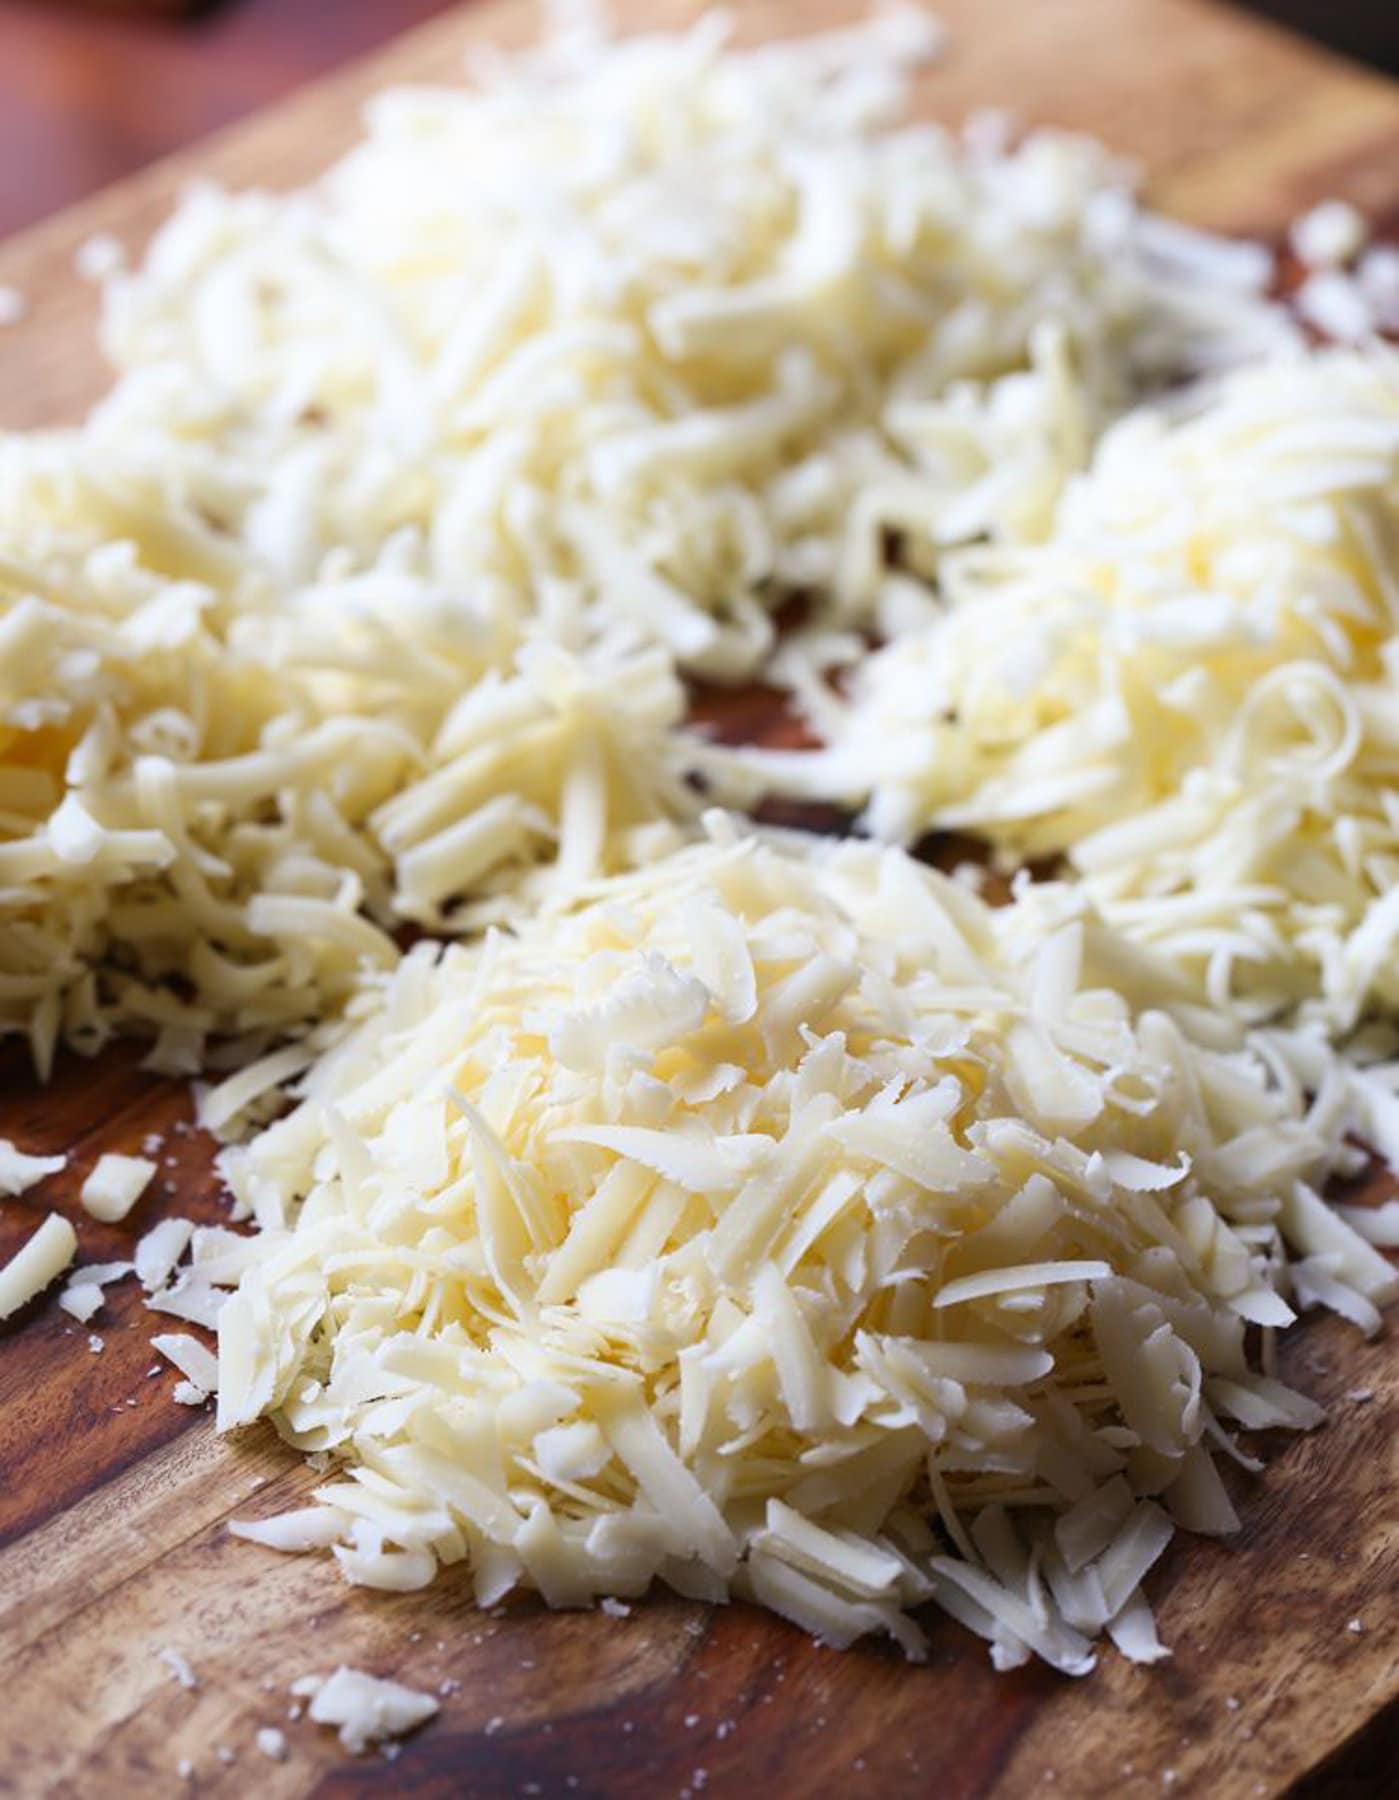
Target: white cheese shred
x=1188, y=688
x=365, y=1709
x=42, y=1257
x=20, y=1172
x=114, y=1186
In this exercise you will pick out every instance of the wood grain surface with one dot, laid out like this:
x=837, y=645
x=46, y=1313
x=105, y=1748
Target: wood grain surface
x=91, y=90
x=113, y=1499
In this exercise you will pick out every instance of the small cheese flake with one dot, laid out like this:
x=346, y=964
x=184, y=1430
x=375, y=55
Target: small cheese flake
x=1332, y=232
x=198, y=1365
x=99, y=257
x=272, y=1743
x=935, y=1232
x=19, y=1172
x=367, y=1710
x=80, y=1300
x=42, y=1257
x=1356, y=1626
x=157, y=1253
x=114, y=1186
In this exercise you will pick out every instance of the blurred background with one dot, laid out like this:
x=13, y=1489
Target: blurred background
x=92, y=89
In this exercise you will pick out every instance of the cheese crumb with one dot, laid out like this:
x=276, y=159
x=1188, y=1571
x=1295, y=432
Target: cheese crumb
x=1183, y=689
x=272, y=1743
x=114, y=1186
x=367, y=1710
x=99, y=257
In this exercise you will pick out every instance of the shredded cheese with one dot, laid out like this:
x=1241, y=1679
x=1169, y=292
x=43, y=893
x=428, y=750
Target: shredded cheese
x=44, y=1255
x=114, y=1186
x=359, y=600
x=219, y=800
x=706, y=323
x=976, y=1228
x=20, y=1172
x=83, y=1295
x=1189, y=689
x=774, y=1218
x=180, y=1667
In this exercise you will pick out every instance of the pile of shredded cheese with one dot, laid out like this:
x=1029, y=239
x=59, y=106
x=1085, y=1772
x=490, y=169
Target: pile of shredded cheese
x=359, y=600
x=764, y=1215
x=1191, y=689
x=218, y=798
x=782, y=1201
x=676, y=330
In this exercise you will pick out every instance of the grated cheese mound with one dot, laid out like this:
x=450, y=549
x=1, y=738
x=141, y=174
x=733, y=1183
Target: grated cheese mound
x=360, y=600
x=678, y=329
x=217, y=800
x=781, y=1220
x=1191, y=689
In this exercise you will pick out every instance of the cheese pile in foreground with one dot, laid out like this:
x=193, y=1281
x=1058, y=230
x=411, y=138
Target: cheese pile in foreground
x=740, y=1225
x=673, y=329
x=1191, y=688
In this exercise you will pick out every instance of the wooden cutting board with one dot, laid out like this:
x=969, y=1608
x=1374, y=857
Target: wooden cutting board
x=113, y=1498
